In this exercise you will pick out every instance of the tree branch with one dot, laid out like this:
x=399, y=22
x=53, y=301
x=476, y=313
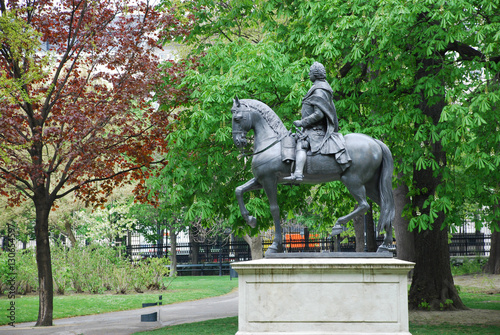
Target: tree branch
x=89, y=181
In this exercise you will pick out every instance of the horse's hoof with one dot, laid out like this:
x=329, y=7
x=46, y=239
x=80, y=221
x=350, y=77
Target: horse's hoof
x=273, y=249
x=337, y=229
x=386, y=248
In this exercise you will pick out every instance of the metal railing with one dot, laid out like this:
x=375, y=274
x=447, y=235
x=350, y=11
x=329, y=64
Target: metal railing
x=471, y=244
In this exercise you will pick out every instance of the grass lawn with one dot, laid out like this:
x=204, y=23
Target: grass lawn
x=481, y=300
x=182, y=289
x=471, y=298
x=193, y=288
x=229, y=326
x=453, y=330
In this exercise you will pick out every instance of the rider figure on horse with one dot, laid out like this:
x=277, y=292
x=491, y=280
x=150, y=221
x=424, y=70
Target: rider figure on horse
x=320, y=125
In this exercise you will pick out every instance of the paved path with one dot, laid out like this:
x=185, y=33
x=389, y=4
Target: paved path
x=129, y=322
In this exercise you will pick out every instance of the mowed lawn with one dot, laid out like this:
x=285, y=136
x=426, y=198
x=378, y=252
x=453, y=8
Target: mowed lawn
x=486, y=296
x=181, y=289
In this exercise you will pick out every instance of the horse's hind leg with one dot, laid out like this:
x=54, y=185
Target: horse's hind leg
x=358, y=191
x=373, y=192
x=250, y=185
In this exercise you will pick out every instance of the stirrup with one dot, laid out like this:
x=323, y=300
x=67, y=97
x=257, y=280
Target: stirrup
x=294, y=177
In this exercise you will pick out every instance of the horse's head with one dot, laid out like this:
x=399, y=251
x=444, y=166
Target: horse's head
x=241, y=123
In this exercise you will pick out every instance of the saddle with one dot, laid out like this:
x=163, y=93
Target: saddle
x=289, y=144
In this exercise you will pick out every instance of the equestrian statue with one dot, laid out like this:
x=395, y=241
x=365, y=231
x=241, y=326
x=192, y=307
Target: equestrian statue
x=319, y=154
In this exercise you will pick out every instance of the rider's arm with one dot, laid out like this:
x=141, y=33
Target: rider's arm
x=312, y=119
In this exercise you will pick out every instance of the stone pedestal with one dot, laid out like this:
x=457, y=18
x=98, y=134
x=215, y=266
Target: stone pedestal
x=300, y=296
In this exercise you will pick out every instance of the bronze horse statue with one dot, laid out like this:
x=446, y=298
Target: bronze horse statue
x=370, y=173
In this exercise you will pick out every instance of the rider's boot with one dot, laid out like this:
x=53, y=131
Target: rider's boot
x=300, y=162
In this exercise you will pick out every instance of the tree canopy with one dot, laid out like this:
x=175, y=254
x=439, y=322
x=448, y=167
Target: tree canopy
x=422, y=76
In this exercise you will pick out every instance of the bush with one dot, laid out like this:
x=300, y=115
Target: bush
x=93, y=269
x=25, y=279
x=157, y=270
x=464, y=266
x=60, y=269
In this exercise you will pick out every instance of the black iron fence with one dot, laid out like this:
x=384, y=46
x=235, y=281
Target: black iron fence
x=471, y=244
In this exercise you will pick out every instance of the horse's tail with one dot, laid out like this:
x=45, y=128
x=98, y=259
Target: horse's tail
x=387, y=211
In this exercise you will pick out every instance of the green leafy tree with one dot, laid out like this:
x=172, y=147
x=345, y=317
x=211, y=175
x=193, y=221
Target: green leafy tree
x=408, y=72
x=422, y=76
x=232, y=57
x=153, y=219
x=105, y=225
x=204, y=167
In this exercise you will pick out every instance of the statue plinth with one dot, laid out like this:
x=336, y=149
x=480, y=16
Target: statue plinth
x=323, y=295
x=331, y=255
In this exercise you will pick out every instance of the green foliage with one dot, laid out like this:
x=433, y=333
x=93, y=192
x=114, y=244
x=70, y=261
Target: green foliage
x=424, y=305
x=422, y=77
x=93, y=269
x=468, y=266
x=23, y=278
x=105, y=224
x=204, y=166
x=151, y=218
x=446, y=305
x=156, y=272
x=23, y=42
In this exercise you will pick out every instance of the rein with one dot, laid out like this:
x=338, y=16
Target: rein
x=266, y=148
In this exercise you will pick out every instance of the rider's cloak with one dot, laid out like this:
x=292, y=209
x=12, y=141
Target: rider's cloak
x=320, y=95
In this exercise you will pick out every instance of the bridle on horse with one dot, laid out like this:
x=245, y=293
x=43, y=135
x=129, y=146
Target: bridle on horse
x=246, y=154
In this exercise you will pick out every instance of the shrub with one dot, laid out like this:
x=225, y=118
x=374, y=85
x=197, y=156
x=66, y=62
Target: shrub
x=27, y=271
x=25, y=279
x=61, y=272
x=468, y=266
x=93, y=269
x=157, y=270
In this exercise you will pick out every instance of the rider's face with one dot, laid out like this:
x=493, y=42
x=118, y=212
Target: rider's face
x=311, y=76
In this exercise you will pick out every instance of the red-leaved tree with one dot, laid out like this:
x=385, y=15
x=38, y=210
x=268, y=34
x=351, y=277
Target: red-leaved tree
x=76, y=80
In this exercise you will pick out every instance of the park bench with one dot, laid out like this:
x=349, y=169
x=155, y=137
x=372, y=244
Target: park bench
x=203, y=269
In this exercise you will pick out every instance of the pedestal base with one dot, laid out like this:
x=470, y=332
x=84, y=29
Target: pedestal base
x=323, y=296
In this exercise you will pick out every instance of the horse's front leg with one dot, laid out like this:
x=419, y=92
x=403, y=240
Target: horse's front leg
x=271, y=188
x=250, y=185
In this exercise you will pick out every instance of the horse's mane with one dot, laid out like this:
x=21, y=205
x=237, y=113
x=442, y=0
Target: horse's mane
x=268, y=114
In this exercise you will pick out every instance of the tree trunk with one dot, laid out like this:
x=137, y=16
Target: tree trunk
x=371, y=241
x=493, y=264
x=359, y=230
x=432, y=284
x=255, y=243
x=44, y=263
x=173, y=252
x=69, y=232
x=195, y=250
x=405, y=239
